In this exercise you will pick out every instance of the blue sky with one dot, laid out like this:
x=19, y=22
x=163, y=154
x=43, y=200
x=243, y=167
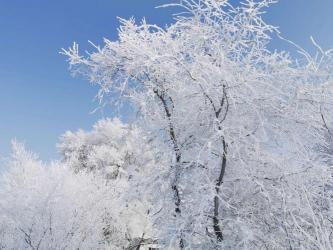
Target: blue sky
x=39, y=100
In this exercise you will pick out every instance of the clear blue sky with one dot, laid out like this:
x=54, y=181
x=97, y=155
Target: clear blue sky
x=39, y=100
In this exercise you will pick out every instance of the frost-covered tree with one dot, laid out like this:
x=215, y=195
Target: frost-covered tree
x=51, y=207
x=237, y=124
x=122, y=155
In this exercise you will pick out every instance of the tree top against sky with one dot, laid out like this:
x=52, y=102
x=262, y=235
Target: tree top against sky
x=40, y=101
